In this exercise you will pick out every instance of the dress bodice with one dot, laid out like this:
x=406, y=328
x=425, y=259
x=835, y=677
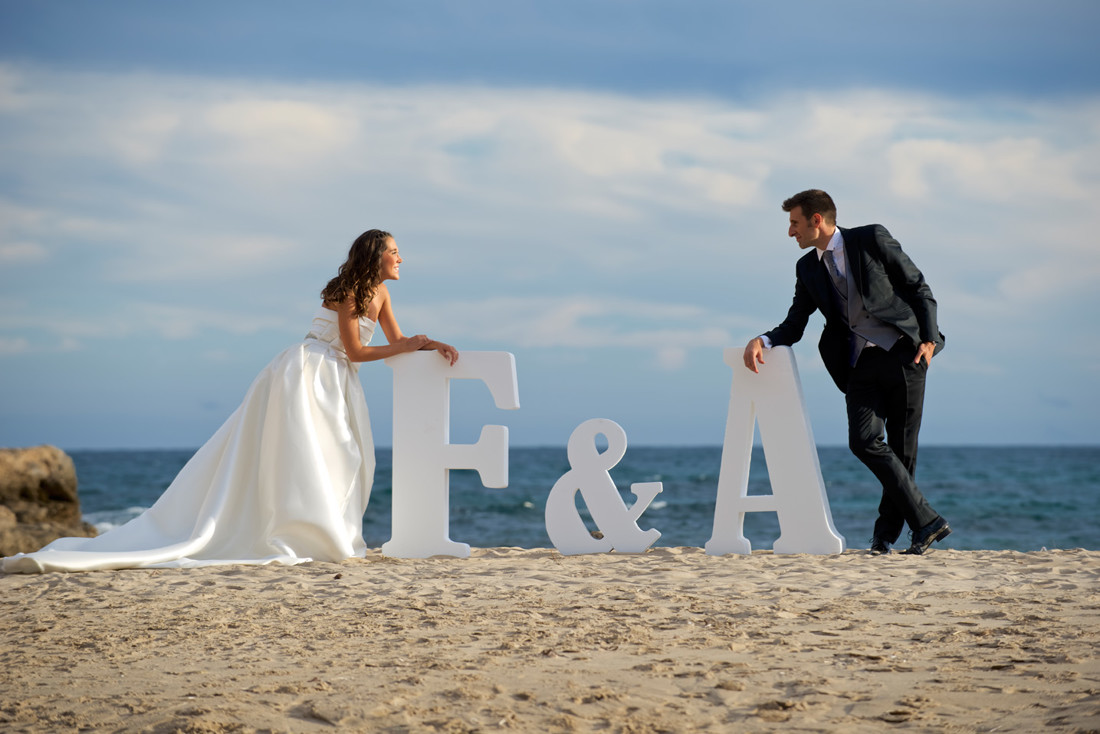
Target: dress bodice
x=326, y=328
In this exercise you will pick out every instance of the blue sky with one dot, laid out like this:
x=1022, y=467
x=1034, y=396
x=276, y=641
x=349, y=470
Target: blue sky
x=594, y=187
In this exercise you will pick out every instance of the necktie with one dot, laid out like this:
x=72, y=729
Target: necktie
x=839, y=280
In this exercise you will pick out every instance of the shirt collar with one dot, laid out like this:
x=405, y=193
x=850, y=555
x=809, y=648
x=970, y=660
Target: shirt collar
x=836, y=244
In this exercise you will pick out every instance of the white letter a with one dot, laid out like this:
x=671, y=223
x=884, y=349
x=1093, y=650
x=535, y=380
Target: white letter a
x=798, y=491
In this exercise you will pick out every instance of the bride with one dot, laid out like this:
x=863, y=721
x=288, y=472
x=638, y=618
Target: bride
x=287, y=477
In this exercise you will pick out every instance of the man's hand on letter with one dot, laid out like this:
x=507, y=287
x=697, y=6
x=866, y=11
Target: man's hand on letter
x=754, y=352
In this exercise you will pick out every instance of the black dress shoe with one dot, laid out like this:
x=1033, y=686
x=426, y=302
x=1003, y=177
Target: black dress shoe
x=879, y=547
x=936, y=530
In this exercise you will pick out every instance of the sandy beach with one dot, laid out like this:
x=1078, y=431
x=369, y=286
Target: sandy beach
x=529, y=640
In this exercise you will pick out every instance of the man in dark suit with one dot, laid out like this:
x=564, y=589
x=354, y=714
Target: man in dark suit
x=880, y=336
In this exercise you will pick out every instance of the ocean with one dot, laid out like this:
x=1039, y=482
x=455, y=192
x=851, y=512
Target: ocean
x=996, y=498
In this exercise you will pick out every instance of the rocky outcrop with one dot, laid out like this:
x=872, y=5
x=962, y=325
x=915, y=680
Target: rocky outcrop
x=38, y=499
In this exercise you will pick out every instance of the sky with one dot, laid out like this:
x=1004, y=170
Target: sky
x=594, y=187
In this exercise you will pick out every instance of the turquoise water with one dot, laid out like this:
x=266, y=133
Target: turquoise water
x=996, y=498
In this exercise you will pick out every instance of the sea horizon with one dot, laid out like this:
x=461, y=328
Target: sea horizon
x=997, y=497
x=562, y=445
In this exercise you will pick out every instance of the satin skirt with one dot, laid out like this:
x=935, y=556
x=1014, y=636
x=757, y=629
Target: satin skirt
x=286, y=479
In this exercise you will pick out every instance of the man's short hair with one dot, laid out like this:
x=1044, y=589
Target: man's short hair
x=811, y=202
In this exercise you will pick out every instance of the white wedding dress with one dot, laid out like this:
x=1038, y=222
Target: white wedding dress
x=286, y=478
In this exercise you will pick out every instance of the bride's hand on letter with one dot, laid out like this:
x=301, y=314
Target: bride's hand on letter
x=449, y=352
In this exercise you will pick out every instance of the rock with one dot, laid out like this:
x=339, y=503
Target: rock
x=38, y=499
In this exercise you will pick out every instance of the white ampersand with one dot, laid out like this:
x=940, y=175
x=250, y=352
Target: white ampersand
x=589, y=474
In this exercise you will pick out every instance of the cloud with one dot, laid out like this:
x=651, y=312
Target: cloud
x=1045, y=282
x=231, y=170
x=1003, y=170
x=9, y=346
x=206, y=140
x=133, y=322
x=579, y=322
x=276, y=135
x=672, y=359
x=175, y=323
x=171, y=209
x=198, y=255
x=140, y=140
x=13, y=253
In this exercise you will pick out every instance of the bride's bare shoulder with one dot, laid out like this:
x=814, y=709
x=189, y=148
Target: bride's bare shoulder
x=381, y=298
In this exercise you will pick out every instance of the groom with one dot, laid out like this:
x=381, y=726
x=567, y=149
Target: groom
x=880, y=336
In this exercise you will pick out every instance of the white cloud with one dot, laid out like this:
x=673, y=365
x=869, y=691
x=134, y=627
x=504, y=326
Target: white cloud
x=199, y=255
x=175, y=322
x=141, y=139
x=177, y=208
x=1002, y=170
x=12, y=253
x=578, y=322
x=136, y=322
x=17, y=345
x=16, y=217
x=184, y=149
x=1045, y=282
x=277, y=136
x=672, y=359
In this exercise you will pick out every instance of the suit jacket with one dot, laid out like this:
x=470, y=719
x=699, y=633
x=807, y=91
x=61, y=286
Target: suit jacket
x=892, y=287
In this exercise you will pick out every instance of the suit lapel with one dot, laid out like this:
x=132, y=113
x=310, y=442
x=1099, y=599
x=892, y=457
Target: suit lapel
x=819, y=284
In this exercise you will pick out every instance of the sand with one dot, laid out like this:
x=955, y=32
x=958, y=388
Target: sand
x=671, y=640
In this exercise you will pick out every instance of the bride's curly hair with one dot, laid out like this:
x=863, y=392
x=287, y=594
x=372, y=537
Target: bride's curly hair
x=358, y=278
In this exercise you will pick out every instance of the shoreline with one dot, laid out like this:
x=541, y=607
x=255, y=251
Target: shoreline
x=668, y=640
